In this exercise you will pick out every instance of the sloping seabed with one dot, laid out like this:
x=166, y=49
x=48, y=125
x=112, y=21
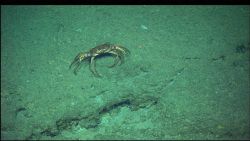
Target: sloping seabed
x=187, y=76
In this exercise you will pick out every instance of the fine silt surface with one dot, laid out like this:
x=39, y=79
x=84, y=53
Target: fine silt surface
x=186, y=77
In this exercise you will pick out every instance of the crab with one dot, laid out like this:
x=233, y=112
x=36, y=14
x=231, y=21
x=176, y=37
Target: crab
x=117, y=51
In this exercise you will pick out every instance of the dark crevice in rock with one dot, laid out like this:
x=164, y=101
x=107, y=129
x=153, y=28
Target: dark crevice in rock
x=93, y=120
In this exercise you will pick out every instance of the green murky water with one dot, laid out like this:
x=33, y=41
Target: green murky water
x=187, y=76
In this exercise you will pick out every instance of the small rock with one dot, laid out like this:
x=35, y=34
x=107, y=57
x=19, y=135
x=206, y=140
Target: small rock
x=144, y=27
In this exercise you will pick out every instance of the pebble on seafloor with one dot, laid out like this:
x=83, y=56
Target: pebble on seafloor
x=144, y=27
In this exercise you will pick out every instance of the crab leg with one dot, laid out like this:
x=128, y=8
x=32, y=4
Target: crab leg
x=74, y=62
x=120, y=55
x=123, y=50
x=92, y=67
x=117, y=59
x=78, y=66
